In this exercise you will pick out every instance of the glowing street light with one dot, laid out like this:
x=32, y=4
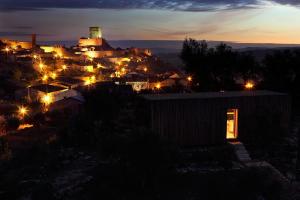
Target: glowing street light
x=22, y=111
x=45, y=78
x=35, y=56
x=249, y=85
x=158, y=86
x=53, y=75
x=189, y=78
x=145, y=69
x=41, y=65
x=64, y=67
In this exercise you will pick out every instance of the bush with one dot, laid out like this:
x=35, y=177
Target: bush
x=5, y=152
x=12, y=123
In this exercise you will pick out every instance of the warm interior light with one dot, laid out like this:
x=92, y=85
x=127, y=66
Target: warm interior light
x=189, y=78
x=232, y=124
x=118, y=74
x=145, y=69
x=64, y=67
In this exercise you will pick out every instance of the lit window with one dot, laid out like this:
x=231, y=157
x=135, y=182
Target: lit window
x=232, y=124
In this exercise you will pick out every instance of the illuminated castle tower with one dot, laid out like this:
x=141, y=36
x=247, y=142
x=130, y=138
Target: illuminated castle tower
x=95, y=32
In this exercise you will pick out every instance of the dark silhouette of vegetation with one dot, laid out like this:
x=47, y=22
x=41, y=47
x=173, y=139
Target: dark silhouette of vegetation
x=12, y=123
x=218, y=68
x=282, y=73
x=222, y=68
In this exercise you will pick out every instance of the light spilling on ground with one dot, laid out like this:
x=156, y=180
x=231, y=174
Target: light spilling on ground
x=24, y=126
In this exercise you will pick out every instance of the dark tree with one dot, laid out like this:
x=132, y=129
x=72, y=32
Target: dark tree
x=218, y=68
x=12, y=123
x=280, y=70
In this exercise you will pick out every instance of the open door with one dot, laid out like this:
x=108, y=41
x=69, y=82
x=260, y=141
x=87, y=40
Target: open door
x=232, y=124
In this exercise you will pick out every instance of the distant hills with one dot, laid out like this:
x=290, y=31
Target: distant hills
x=174, y=46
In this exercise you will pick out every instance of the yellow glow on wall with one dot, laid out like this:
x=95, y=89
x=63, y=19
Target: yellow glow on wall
x=47, y=99
x=53, y=75
x=41, y=65
x=90, y=68
x=45, y=78
x=118, y=74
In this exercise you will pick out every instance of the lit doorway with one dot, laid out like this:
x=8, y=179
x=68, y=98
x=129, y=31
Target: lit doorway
x=232, y=124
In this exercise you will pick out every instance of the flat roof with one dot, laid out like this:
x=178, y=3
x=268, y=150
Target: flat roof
x=48, y=88
x=207, y=95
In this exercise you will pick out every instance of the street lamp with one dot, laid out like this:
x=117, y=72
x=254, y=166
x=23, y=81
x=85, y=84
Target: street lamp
x=158, y=86
x=249, y=85
x=22, y=111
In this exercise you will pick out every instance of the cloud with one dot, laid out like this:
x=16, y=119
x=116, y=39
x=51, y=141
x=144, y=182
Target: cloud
x=178, y=5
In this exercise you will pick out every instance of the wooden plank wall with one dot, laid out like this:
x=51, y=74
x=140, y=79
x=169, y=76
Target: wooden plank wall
x=192, y=122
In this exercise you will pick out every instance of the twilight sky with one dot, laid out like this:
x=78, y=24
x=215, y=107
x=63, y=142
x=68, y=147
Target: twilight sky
x=255, y=21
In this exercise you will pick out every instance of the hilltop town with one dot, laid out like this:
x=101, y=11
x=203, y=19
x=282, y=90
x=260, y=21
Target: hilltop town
x=53, y=75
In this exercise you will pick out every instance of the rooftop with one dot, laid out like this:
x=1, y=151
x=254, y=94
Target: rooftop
x=70, y=81
x=47, y=88
x=207, y=95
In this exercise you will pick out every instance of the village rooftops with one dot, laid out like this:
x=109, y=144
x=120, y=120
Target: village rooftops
x=70, y=81
x=48, y=88
x=208, y=95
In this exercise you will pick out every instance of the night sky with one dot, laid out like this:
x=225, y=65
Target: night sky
x=256, y=21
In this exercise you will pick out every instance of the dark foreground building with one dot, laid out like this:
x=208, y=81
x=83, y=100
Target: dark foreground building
x=212, y=118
